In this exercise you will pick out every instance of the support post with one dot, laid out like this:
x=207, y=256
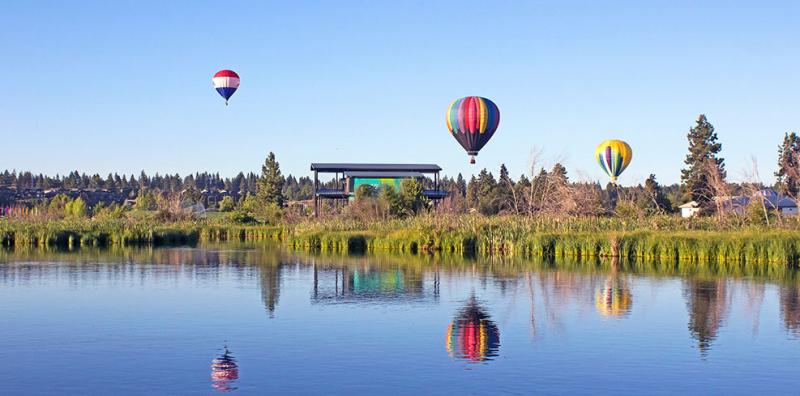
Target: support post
x=316, y=194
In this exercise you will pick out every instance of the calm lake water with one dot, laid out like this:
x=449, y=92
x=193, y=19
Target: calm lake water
x=257, y=320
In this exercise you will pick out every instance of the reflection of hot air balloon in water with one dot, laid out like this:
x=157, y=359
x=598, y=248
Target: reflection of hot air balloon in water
x=614, y=298
x=472, y=121
x=226, y=82
x=472, y=336
x=613, y=156
x=224, y=371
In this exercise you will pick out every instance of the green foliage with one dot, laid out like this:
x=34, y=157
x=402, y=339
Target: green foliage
x=270, y=185
x=226, y=204
x=365, y=191
x=76, y=208
x=628, y=210
x=652, y=200
x=788, y=173
x=703, y=158
x=411, y=197
x=111, y=212
x=241, y=217
x=57, y=205
x=147, y=200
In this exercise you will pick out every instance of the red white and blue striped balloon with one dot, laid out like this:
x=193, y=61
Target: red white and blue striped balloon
x=226, y=82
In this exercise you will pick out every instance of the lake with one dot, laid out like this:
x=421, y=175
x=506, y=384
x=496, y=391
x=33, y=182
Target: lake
x=254, y=319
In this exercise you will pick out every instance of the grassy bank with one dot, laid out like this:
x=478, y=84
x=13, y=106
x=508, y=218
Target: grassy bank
x=664, y=240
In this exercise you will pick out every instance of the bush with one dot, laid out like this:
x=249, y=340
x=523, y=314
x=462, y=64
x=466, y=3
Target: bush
x=146, y=201
x=226, y=204
x=241, y=217
x=76, y=208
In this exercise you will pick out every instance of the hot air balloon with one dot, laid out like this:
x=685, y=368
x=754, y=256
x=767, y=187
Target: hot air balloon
x=472, y=335
x=226, y=82
x=224, y=371
x=614, y=156
x=472, y=121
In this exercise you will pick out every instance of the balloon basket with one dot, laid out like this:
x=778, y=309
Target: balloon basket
x=472, y=159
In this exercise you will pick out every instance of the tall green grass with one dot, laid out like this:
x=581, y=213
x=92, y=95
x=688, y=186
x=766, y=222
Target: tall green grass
x=665, y=239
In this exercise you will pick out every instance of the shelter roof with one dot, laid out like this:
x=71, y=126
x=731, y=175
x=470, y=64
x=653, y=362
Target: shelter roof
x=351, y=167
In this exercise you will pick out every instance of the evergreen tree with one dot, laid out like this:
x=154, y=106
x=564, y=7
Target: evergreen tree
x=472, y=192
x=702, y=159
x=461, y=185
x=505, y=190
x=270, y=185
x=653, y=200
x=559, y=173
x=788, y=173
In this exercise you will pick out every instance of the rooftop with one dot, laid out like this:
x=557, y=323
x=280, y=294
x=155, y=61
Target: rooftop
x=386, y=175
x=345, y=167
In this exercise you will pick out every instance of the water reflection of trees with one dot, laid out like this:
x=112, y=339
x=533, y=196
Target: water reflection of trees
x=554, y=286
x=707, y=302
x=789, y=296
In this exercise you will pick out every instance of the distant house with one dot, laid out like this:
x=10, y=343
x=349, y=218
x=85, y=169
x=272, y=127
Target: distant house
x=210, y=198
x=772, y=200
x=775, y=201
x=690, y=209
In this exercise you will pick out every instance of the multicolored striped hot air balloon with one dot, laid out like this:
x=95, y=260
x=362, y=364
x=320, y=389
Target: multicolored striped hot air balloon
x=613, y=156
x=226, y=82
x=472, y=121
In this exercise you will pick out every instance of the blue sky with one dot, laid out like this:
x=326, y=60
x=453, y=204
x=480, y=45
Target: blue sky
x=125, y=86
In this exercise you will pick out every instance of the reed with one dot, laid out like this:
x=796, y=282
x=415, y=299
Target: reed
x=663, y=239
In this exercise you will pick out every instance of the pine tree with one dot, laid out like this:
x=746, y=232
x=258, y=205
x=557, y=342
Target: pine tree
x=461, y=185
x=702, y=159
x=472, y=192
x=788, y=173
x=270, y=185
x=654, y=200
x=559, y=173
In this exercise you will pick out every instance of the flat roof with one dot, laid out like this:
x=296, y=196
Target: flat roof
x=386, y=175
x=345, y=167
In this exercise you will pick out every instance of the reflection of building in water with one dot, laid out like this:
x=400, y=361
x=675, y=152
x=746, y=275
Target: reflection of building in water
x=614, y=298
x=364, y=283
x=707, y=302
x=224, y=372
x=790, y=308
x=472, y=335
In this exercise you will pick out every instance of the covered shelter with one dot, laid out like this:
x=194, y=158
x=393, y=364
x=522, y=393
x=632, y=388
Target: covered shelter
x=349, y=176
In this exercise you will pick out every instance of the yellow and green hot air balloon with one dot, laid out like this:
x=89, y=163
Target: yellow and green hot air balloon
x=613, y=156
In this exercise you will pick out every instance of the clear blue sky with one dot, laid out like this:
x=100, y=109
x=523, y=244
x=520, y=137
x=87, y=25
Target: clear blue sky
x=126, y=85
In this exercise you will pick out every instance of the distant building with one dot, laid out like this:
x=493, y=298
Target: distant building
x=210, y=198
x=690, y=209
x=349, y=177
x=772, y=200
x=776, y=201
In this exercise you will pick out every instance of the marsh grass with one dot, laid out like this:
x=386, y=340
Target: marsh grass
x=658, y=239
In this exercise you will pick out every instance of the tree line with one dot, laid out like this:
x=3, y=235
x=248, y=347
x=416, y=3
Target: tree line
x=541, y=191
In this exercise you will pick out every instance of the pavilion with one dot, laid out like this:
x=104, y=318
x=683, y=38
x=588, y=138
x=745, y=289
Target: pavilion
x=348, y=177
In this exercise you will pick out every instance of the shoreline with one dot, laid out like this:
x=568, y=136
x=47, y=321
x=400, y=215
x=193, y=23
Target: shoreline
x=469, y=237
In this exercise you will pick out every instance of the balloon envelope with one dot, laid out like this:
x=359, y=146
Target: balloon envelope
x=226, y=82
x=472, y=121
x=613, y=156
